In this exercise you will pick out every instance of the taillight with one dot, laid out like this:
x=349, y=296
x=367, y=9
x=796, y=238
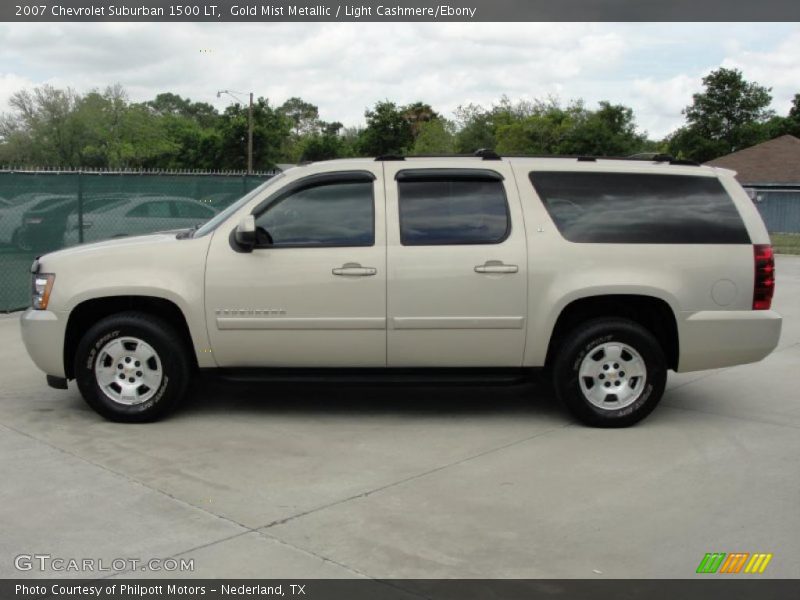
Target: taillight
x=764, y=282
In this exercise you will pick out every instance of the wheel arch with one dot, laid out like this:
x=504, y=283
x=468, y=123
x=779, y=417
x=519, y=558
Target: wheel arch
x=651, y=312
x=88, y=312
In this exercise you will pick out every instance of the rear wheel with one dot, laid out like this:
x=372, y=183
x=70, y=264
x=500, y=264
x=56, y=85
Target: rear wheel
x=610, y=372
x=132, y=367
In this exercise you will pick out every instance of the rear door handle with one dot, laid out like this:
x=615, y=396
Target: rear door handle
x=354, y=270
x=496, y=266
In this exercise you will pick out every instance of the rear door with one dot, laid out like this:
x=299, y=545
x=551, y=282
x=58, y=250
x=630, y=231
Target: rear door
x=457, y=290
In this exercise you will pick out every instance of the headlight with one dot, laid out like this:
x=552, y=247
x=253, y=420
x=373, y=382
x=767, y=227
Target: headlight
x=41, y=288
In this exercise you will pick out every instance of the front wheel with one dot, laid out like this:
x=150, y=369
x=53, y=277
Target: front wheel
x=610, y=372
x=132, y=367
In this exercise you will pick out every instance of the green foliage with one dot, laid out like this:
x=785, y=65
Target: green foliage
x=547, y=127
x=434, y=137
x=730, y=114
x=387, y=131
x=270, y=130
x=475, y=129
x=55, y=127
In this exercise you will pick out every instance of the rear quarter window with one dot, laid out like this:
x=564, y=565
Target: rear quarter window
x=635, y=208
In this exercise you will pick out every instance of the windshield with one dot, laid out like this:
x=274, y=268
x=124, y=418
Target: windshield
x=211, y=225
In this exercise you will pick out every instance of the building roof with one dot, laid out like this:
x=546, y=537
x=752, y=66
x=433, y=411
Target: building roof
x=775, y=161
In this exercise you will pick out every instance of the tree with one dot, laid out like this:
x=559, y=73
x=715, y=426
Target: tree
x=435, y=137
x=303, y=115
x=548, y=128
x=475, y=129
x=417, y=115
x=43, y=129
x=270, y=130
x=789, y=124
x=608, y=131
x=387, y=131
x=730, y=114
x=168, y=104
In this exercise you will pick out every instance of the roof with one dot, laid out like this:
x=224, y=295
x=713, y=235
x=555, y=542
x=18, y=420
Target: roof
x=775, y=161
x=534, y=163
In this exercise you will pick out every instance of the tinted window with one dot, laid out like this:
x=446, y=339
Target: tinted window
x=109, y=206
x=101, y=204
x=151, y=209
x=633, y=208
x=189, y=210
x=452, y=211
x=334, y=214
x=47, y=203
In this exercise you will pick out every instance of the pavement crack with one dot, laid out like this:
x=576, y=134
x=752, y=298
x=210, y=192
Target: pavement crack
x=410, y=478
x=321, y=557
x=125, y=476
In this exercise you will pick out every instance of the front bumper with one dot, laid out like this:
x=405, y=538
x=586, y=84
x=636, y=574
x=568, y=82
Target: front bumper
x=715, y=339
x=43, y=334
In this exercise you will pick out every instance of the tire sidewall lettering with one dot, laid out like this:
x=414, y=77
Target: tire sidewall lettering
x=100, y=343
x=90, y=362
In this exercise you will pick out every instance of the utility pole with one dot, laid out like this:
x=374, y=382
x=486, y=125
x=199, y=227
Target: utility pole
x=233, y=93
x=250, y=136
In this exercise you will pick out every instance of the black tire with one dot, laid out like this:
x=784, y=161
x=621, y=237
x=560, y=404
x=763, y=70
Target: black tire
x=18, y=241
x=172, y=361
x=588, y=338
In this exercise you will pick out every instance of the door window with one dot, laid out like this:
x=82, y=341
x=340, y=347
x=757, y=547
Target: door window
x=452, y=210
x=331, y=214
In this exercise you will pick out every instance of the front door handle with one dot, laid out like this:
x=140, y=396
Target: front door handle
x=496, y=266
x=354, y=270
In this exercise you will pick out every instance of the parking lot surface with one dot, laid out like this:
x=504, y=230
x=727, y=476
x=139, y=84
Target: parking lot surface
x=422, y=482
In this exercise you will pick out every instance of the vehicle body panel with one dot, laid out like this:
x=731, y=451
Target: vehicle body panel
x=280, y=307
x=441, y=312
x=425, y=306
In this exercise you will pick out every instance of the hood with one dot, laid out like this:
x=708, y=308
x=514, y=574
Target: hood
x=131, y=243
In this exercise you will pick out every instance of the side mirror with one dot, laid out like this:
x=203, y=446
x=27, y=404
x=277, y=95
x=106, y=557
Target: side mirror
x=245, y=233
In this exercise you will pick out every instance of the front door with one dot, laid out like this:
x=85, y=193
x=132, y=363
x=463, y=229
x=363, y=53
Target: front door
x=457, y=293
x=313, y=292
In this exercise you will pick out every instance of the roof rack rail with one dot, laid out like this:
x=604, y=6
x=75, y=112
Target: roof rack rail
x=487, y=154
x=661, y=157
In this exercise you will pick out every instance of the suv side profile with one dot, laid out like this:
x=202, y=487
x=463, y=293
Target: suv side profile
x=607, y=273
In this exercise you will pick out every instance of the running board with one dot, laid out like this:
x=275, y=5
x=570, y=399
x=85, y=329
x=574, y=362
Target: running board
x=454, y=376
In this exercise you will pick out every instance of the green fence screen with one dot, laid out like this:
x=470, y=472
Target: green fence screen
x=42, y=211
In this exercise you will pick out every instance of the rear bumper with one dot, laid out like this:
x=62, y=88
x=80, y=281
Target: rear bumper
x=714, y=339
x=43, y=334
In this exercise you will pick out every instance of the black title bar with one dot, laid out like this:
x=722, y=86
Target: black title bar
x=708, y=588
x=399, y=10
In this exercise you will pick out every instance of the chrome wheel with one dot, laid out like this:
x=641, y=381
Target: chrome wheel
x=612, y=376
x=128, y=371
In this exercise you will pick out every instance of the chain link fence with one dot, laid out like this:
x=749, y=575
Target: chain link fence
x=45, y=210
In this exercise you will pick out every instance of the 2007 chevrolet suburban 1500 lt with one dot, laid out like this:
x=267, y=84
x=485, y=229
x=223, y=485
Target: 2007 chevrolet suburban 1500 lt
x=607, y=272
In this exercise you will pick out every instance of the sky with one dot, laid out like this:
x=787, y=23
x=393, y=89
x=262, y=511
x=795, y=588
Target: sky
x=346, y=67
